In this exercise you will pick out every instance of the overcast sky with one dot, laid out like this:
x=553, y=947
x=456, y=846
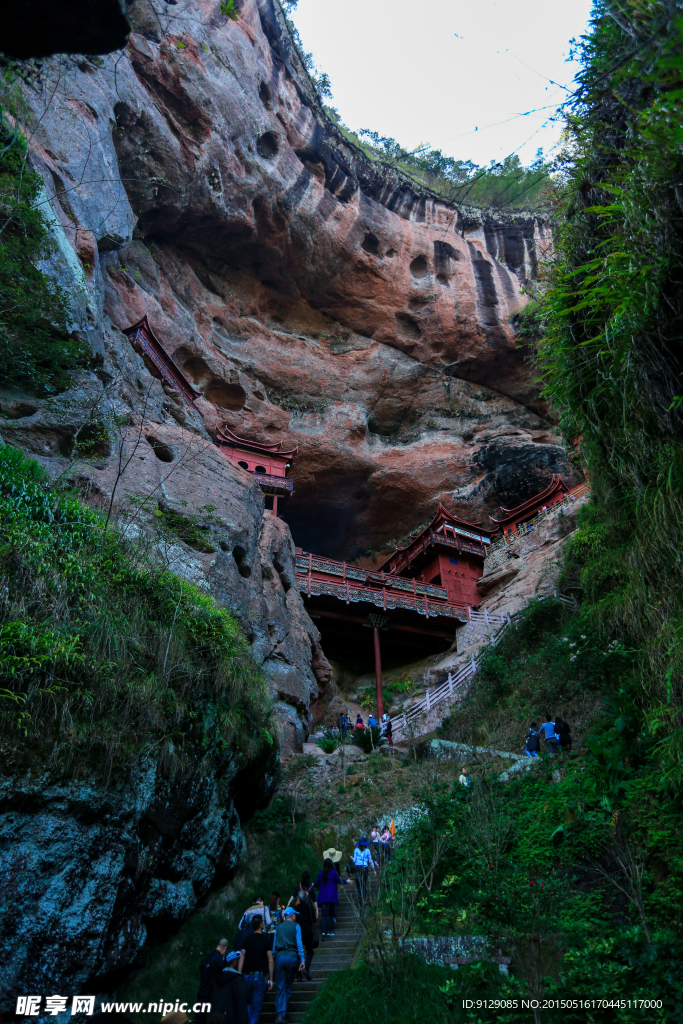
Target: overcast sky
x=433, y=71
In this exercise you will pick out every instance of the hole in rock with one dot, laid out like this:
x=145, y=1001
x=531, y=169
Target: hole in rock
x=264, y=95
x=19, y=409
x=419, y=268
x=161, y=450
x=390, y=253
x=267, y=145
x=240, y=556
x=194, y=366
x=437, y=346
x=408, y=326
x=371, y=244
x=282, y=573
x=418, y=304
x=226, y=396
x=442, y=279
x=92, y=441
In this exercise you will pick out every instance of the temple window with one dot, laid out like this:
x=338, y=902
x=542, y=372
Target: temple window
x=244, y=465
x=260, y=469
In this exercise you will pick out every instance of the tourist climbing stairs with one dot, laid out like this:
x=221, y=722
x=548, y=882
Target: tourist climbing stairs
x=332, y=955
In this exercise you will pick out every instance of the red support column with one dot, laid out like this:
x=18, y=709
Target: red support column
x=378, y=674
x=275, y=505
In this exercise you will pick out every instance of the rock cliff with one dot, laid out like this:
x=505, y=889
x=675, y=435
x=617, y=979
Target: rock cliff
x=311, y=294
x=90, y=870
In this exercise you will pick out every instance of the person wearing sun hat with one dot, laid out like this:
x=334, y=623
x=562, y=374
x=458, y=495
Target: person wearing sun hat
x=326, y=883
x=288, y=950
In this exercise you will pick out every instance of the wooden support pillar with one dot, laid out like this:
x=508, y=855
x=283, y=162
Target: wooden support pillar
x=275, y=505
x=378, y=674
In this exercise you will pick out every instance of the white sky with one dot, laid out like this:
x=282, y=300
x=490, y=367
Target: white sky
x=432, y=71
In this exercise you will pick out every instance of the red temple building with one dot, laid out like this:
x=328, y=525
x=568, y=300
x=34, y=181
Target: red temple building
x=513, y=518
x=158, y=361
x=416, y=599
x=268, y=463
x=448, y=553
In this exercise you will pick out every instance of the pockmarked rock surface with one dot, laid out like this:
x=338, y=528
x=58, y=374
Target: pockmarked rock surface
x=312, y=294
x=89, y=871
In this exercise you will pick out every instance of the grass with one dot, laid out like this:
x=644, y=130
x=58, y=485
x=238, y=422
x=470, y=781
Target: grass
x=553, y=660
x=359, y=995
x=104, y=655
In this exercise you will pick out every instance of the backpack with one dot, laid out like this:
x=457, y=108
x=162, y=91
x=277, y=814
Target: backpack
x=307, y=893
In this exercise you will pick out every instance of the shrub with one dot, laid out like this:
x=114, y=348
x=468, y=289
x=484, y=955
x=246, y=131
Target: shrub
x=368, y=739
x=37, y=350
x=103, y=653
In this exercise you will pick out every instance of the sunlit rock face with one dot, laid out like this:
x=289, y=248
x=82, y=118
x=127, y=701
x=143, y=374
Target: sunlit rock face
x=309, y=293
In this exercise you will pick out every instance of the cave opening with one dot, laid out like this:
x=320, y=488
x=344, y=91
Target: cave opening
x=349, y=644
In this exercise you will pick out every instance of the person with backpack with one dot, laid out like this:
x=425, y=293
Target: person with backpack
x=309, y=889
x=307, y=909
x=327, y=883
x=288, y=952
x=229, y=999
x=257, y=966
x=532, y=742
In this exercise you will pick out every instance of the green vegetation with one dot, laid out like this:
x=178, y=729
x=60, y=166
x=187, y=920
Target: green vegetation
x=104, y=655
x=575, y=870
x=37, y=350
x=506, y=185
x=610, y=350
x=360, y=995
x=573, y=873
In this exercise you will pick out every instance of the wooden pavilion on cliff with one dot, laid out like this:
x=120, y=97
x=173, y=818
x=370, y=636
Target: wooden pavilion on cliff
x=158, y=361
x=448, y=553
x=513, y=518
x=267, y=463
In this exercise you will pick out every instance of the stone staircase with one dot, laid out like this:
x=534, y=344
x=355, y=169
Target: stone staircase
x=332, y=955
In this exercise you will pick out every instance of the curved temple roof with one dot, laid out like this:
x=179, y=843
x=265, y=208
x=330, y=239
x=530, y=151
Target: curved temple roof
x=225, y=436
x=443, y=517
x=169, y=369
x=529, y=506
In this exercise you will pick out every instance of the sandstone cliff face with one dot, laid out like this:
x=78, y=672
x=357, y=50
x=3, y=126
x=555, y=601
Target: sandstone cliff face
x=310, y=293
